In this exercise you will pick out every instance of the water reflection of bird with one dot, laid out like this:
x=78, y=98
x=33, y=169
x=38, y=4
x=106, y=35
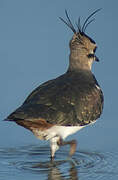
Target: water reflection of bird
x=55, y=174
x=62, y=106
x=54, y=169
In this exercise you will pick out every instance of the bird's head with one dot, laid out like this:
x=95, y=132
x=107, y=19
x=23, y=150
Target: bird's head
x=82, y=47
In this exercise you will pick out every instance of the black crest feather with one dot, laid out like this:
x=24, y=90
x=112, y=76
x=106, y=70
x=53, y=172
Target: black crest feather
x=68, y=22
x=78, y=24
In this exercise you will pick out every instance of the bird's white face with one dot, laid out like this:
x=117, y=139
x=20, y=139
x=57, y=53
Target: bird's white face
x=82, y=51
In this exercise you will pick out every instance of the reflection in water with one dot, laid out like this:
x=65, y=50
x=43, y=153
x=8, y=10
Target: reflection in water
x=55, y=174
x=33, y=161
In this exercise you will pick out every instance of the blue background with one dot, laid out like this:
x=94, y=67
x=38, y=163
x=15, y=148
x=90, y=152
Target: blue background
x=34, y=48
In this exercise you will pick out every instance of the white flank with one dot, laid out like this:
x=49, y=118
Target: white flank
x=62, y=131
x=58, y=131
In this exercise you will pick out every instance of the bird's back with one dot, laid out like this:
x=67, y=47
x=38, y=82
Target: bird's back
x=69, y=100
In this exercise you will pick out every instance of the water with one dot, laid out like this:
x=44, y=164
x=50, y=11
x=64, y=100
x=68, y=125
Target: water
x=32, y=162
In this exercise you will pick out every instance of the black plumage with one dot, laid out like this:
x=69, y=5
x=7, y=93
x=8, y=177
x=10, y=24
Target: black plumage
x=69, y=100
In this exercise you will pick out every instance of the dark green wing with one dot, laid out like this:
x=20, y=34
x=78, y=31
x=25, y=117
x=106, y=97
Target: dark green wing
x=71, y=99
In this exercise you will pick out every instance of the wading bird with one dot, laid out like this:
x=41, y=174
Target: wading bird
x=63, y=106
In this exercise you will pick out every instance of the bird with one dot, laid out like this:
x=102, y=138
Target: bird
x=62, y=106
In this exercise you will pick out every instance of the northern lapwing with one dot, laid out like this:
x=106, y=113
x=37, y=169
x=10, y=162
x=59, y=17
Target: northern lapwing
x=63, y=106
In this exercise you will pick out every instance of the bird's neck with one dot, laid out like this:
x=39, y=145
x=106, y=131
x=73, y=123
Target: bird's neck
x=79, y=62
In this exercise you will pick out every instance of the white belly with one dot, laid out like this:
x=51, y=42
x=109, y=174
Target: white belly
x=58, y=131
x=62, y=131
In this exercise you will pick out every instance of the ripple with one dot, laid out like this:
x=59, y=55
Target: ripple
x=34, y=159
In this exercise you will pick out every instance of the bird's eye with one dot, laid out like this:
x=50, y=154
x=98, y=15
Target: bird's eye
x=91, y=55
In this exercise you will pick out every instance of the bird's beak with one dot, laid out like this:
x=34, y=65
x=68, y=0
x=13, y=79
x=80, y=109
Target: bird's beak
x=96, y=59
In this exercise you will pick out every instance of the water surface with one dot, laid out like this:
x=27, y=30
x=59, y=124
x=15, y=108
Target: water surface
x=33, y=162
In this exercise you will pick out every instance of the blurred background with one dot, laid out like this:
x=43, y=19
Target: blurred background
x=34, y=47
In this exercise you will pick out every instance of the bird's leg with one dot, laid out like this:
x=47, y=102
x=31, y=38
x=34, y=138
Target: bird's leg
x=72, y=143
x=54, y=146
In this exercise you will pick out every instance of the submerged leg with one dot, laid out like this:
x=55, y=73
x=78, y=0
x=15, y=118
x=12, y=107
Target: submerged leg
x=54, y=146
x=72, y=143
